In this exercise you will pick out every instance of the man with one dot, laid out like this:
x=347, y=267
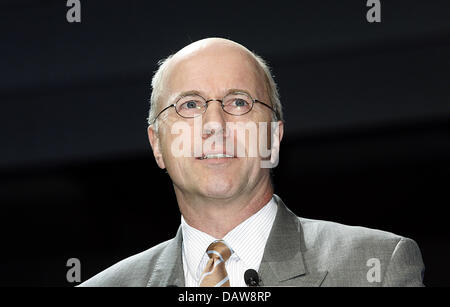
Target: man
x=231, y=219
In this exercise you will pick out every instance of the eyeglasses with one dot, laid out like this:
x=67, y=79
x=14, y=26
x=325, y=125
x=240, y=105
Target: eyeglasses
x=193, y=105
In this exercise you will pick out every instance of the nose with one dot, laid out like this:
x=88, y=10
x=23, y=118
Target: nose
x=214, y=119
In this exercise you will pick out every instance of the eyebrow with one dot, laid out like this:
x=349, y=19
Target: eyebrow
x=184, y=94
x=238, y=90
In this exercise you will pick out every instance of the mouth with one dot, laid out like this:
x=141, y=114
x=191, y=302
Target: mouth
x=215, y=156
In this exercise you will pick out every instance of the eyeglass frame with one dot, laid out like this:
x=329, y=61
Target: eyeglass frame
x=207, y=101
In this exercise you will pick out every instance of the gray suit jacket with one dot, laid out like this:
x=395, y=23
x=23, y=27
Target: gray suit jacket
x=299, y=252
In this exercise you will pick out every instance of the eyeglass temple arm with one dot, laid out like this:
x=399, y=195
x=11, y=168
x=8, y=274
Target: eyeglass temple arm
x=169, y=106
x=264, y=104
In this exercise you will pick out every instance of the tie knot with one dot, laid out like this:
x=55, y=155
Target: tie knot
x=220, y=250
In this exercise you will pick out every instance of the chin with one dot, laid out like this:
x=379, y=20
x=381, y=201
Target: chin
x=219, y=190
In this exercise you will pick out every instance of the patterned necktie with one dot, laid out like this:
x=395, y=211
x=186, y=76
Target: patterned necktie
x=215, y=274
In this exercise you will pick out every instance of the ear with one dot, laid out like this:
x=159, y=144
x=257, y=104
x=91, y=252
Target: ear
x=277, y=136
x=154, y=142
x=281, y=130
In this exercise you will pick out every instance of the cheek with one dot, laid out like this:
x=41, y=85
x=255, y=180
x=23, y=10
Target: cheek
x=253, y=141
x=176, y=150
x=176, y=140
x=170, y=160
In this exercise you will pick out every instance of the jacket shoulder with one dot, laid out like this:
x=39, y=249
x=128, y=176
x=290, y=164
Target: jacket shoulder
x=319, y=231
x=133, y=271
x=349, y=252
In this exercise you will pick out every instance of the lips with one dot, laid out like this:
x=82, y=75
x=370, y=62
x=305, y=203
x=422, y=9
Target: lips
x=215, y=156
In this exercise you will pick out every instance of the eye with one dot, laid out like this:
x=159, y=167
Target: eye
x=240, y=102
x=191, y=104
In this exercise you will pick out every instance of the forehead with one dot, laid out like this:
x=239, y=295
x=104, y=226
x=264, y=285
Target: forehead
x=214, y=71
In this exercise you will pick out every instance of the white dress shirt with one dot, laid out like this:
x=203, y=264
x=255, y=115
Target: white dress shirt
x=247, y=240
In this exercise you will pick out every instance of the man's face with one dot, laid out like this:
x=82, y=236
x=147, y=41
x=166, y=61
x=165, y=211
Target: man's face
x=213, y=72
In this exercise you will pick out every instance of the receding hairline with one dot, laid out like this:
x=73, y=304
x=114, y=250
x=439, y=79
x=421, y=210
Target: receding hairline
x=203, y=44
x=206, y=45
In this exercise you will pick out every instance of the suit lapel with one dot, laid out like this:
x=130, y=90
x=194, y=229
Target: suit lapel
x=283, y=262
x=168, y=269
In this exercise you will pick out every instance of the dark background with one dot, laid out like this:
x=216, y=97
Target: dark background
x=367, y=109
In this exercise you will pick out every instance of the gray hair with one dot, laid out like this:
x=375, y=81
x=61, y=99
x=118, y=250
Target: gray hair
x=158, y=82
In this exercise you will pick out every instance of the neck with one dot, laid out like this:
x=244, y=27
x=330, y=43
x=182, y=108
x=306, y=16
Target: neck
x=218, y=216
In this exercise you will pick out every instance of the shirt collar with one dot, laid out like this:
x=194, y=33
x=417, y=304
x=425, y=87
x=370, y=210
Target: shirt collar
x=248, y=239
